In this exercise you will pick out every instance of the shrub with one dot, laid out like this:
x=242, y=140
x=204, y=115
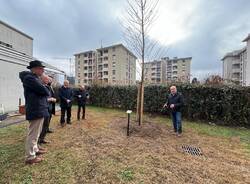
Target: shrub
x=222, y=105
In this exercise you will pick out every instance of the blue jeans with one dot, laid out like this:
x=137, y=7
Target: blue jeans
x=176, y=118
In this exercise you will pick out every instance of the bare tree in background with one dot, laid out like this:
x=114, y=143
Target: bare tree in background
x=137, y=23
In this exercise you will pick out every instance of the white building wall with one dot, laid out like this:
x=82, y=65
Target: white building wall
x=248, y=64
x=11, y=87
x=19, y=41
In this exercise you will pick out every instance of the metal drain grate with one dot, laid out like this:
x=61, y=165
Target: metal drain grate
x=192, y=150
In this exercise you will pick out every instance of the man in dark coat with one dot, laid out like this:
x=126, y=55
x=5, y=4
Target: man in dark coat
x=52, y=104
x=66, y=97
x=175, y=103
x=46, y=80
x=36, y=106
x=81, y=96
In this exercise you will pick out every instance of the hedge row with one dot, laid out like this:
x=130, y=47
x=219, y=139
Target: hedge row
x=221, y=105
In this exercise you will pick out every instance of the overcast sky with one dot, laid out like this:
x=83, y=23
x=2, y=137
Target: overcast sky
x=203, y=29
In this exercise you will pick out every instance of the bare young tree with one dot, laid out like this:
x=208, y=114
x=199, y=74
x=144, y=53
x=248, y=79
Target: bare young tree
x=137, y=23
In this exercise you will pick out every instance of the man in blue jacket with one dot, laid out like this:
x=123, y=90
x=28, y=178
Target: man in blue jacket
x=66, y=97
x=36, y=106
x=175, y=103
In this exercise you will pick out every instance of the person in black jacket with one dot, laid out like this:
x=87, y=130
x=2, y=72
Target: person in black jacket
x=36, y=106
x=52, y=104
x=175, y=103
x=81, y=97
x=66, y=97
x=50, y=99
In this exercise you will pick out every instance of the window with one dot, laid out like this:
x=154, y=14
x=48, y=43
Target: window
x=105, y=66
x=175, y=67
x=105, y=73
x=106, y=51
x=85, y=55
x=113, y=57
x=100, y=53
x=106, y=58
x=85, y=68
x=85, y=74
x=113, y=72
x=78, y=62
x=175, y=72
x=85, y=61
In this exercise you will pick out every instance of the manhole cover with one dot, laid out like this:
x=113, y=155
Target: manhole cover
x=192, y=150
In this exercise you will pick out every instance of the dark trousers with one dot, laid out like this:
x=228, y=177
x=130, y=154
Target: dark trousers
x=79, y=111
x=176, y=118
x=63, y=110
x=45, y=127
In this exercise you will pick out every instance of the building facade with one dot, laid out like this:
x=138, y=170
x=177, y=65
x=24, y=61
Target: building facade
x=236, y=65
x=113, y=65
x=16, y=51
x=247, y=65
x=168, y=70
x=155, y=72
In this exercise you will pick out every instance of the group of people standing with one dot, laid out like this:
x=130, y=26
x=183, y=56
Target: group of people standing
x=66, y=95
x=40, y=106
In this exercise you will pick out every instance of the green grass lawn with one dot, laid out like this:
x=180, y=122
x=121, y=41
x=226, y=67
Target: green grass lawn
x=98, y=151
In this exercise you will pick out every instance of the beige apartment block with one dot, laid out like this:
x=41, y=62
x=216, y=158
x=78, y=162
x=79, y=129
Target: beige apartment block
x=236, y=65
x=113, y=65
x=168, y=70
x=155, y=72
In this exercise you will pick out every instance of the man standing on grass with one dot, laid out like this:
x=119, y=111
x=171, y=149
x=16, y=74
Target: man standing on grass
x=36, y=106
x=175, y=103
x=81, y=95
x=66, y=96
x=46, y=80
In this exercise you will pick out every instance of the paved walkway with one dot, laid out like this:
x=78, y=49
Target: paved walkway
x=12, y=121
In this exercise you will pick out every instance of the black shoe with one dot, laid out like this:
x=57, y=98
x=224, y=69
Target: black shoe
x=43, y=142
x=50, y=131
x=69, y=123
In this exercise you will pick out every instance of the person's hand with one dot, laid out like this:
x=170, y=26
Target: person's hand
x=54, y=99
x=88, y=97
x=79, y=96
x=68, y=101
x=172, y=106
x=165, y=105
x=50, y=99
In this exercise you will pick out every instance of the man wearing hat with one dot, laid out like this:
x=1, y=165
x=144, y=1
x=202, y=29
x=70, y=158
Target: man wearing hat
x=36, y=106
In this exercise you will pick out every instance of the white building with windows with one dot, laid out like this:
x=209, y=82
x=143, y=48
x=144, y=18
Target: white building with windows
x=16, y=51
x=236, y=65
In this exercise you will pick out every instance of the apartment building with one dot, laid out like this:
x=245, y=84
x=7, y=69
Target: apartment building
x=113, y=65
x=168, y=70
x=155, y=72
x=236, y=65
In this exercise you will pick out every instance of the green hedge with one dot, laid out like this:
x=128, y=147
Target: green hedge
x=221, y=105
